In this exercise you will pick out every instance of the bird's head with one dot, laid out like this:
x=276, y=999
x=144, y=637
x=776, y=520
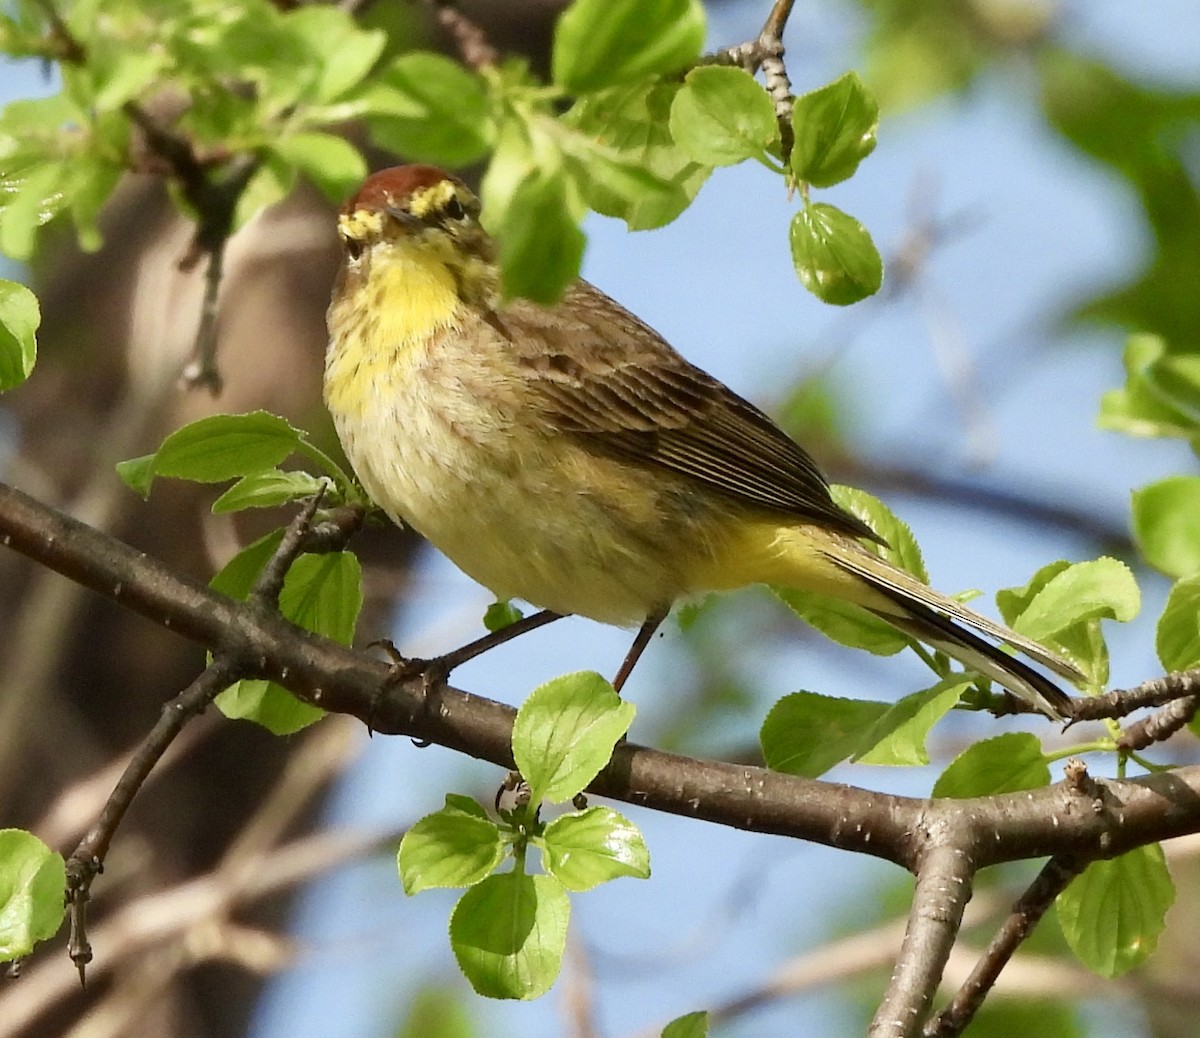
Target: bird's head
x=417, y=214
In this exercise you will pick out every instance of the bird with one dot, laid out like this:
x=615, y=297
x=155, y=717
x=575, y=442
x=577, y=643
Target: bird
x=566, y=455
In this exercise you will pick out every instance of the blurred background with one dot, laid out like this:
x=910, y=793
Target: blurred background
x=1034, y=193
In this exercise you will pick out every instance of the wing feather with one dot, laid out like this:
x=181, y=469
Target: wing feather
x=596, y=372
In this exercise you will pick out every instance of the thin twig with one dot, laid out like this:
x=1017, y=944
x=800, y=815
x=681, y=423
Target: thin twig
x=87, y=860
x=1123, y=701
x=469, y=38
x=1160, y=725
x=1028, y=910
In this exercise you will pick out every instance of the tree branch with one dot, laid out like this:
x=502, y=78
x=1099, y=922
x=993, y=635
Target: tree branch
x=944, y=881
x=1026, y=913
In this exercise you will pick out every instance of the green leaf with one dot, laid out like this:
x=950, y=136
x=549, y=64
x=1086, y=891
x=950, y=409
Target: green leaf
x=807, y=734
x=94, y=182
x=330, y=162
x=272, y=183
x=508, y=934
x=322, y=594
x=565, y=732
x=722, y=116
x=834, y=129
x=1005, y=764
x=844, y=622
x=834, y=256
x=33, y=880
x=437, y=1012
x=691, y=1025
x=1102, y=588
x=236, y=578
x=268, y=489
x=902, y=550
x=449, y=848
x=426, y=107
x=500, y=615
x=1166, y=524
x=267, y=704
x=541, y=245
x=1177, y=638
x=123, y=75
x=599, y=43
x=585, y=849
x=1161, y=396
x=1113, y=913
x=345, y=52
x=19, y=320
x=898, y=737
x=629, y=127
x=217, y=448
x=38, y=195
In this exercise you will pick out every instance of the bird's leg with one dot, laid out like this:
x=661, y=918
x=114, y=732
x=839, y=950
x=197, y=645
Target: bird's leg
x=439, y=667
x=493, y=638
x=645, y=633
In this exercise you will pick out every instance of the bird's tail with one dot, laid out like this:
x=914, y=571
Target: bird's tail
x=917, y=610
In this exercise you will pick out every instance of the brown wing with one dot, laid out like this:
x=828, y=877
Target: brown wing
x=599, y=373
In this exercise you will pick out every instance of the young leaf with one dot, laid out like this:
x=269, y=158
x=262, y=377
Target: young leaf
x=1161, y=396
x=898, y=737
x=1102, y=588
x=508, y=934
x=268, y=489
x=322, y=594
x=807, y=734
x=834, y=256
x=238, y=575
x=438, y=1011
x=217, y=448
x=902, y=549
x=600, y=43
x=334, y=165
x=844, y=622
x=691, y=1025
x=1166, y=524
x=591, y=847
x=429, y=108
x=345, y=51
x=834, y=130
x=1177, y=638
x=449, y=848
x=722, y=116
x=32, y=881
x=565, y=733
x=541, y=245
x=630, y=124
x=1004, y=764
x=267, y=704
x=500, y=615
x=19, y=319
x=1112, y=914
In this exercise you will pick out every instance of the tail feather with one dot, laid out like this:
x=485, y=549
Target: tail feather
x=984, y=658
x=932, y=618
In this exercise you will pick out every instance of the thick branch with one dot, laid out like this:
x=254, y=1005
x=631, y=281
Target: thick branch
x=1043, y=822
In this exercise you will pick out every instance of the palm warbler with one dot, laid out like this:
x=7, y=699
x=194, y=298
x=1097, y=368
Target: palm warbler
x=569, y=457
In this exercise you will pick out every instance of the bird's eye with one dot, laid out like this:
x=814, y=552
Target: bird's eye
x=454, y=209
